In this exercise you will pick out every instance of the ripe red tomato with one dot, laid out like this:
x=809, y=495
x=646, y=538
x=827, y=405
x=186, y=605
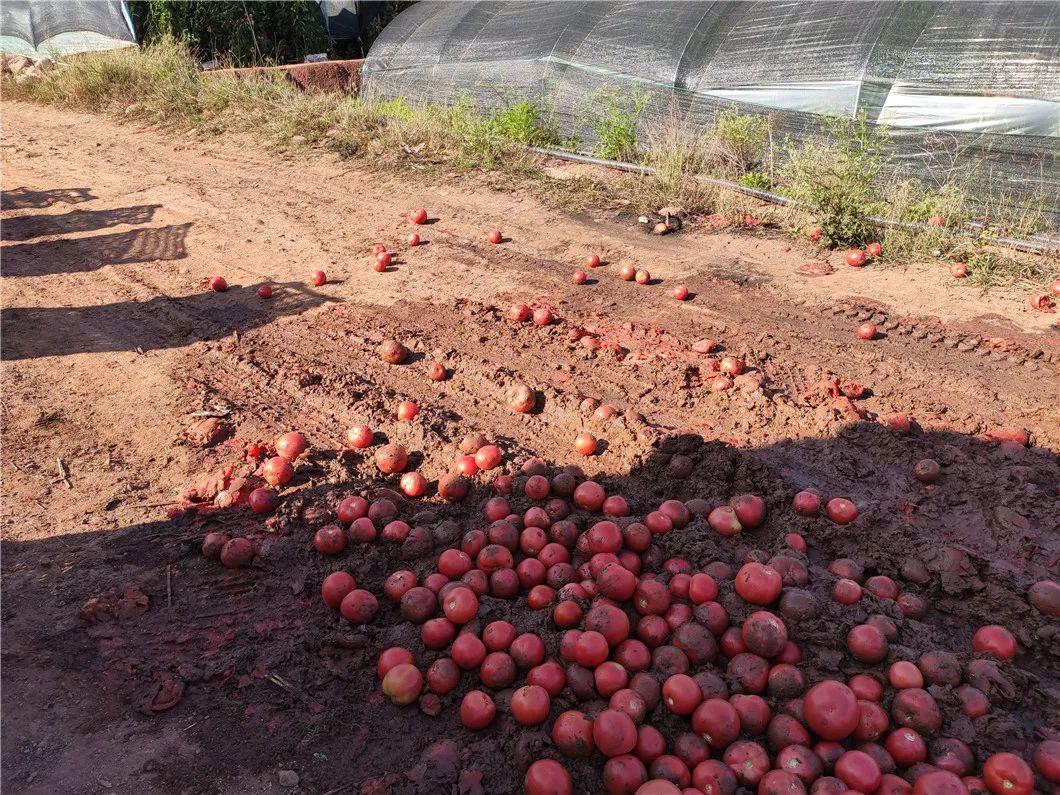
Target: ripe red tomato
x=494, y=236
x=530, y=705
x=318, y=279
x=867, y=331
x=585, y=444
x=477, y=710
x=265, y=291
x=995, y=640
x=680, y=292
x=841, y=511
x=1007, y=773
x=359, y=436
x=218, y=284
x=418, y=216
x=547, y=777
x=831, y=710
x=579, y=277
x=855, y=258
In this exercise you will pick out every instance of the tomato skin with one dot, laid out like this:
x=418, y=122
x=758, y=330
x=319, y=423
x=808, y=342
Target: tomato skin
x=995, y=640
x=548, y=777
x=1007, y=774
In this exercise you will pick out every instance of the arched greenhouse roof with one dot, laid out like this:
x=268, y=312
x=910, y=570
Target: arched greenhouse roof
x=971, y=83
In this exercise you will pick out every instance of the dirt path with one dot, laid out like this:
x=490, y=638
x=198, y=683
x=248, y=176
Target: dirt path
x=110, y=342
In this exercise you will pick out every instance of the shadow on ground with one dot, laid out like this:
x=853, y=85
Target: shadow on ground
x=27, y=199
x=27, y=227
x=160, y=322
x=83, y=254
x=264, y=667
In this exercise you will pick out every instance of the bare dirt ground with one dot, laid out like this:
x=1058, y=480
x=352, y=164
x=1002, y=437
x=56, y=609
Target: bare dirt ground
x=111, y=342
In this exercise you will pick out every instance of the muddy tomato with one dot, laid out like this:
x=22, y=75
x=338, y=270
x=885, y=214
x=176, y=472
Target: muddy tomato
x=858, y=771
x=277, y=471
x=391, y=458
x=585, y=444
x=807, y=503
x=413, y=484
x=477, y=710
x=841, y=511
x=995, y=640
x=867, y=331
x=543, y=316
x=521, y=398
x=358, y=606
x=723, y=521
x=758, y=584
x=395, y=655
x=750, y=510
x=335, y=588
x=572, y=732
x=831, y=710
x=403, y=683
x=329, y=540
x=418, y=604
x=213, y=543
x=237, y=553
x=1007, y=773
x=443, y=676
x=614, y=733
x=218, y=284
x=530, y=705
x=764, y=633
x=547, y=777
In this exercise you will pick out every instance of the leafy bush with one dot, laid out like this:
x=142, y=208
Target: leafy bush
x=835, y=178
x=523, y=123
x=738, y=142
x=755, y=179
x=612, y=117
x=248, y=33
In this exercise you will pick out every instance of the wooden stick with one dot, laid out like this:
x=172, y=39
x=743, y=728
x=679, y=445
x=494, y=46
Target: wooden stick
x=169, y=586
x=64, y=473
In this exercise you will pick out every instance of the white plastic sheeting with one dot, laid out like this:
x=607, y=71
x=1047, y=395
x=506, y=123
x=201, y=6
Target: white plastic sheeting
x=55, y=28
x=976, y=83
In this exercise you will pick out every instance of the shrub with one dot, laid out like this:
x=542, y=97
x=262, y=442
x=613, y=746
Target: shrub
x=835, y=177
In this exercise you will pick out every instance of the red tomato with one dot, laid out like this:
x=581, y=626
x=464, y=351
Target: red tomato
x=265, y=291
x=418, y=216
x=319, y=278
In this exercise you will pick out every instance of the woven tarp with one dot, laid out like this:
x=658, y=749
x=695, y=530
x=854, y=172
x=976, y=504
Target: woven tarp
x=972, y=87
x=44, y=28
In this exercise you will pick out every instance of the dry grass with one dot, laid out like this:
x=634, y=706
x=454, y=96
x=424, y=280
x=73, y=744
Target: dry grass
x=836, y=176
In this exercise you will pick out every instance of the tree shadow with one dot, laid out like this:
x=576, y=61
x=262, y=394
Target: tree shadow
x=160, y=322
x=256, y=648
x=85, y=254
x=27, y=227
x=26, y=199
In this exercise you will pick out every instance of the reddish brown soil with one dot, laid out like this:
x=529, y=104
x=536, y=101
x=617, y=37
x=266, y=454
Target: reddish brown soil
x=339, y=76
x=110, y=343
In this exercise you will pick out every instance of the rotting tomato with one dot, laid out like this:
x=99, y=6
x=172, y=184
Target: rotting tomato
x=403, y=683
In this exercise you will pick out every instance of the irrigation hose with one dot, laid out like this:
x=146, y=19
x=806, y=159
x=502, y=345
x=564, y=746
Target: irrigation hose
x=1037, y=247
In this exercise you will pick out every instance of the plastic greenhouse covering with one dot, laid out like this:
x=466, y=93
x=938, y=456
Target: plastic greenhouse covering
x=45, y=28
x=968, y=88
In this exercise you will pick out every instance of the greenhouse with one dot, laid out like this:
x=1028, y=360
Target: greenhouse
x=967, y=90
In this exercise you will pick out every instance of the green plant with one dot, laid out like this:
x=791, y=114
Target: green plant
x=247, y=33
x=835, y=177
x=991, y=269
x=755, y=179
x=611, y=115
x=523, y=123
x=738, y=142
